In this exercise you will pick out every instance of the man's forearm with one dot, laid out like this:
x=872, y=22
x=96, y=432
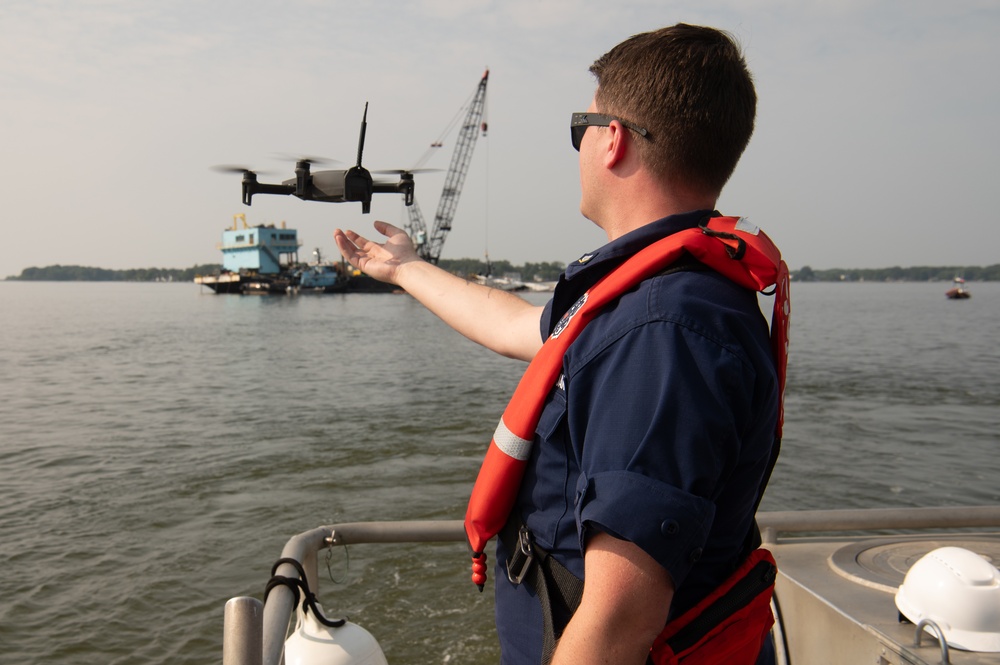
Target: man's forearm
x=498, y=320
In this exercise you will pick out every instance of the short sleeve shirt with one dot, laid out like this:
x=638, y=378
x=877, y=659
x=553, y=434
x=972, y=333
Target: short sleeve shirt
x=659, y=430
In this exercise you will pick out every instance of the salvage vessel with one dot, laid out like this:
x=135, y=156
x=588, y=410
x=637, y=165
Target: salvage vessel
x=264, y=259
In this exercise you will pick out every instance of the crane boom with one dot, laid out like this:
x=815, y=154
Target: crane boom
x=429, y=247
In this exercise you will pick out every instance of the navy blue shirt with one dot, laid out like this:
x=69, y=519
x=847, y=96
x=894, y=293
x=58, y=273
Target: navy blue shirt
x=659, y=430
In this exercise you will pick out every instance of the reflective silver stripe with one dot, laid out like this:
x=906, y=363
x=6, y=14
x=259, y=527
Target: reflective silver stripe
x=746, y=226
x=511, y=444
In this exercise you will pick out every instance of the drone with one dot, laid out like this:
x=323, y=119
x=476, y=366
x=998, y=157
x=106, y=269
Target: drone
x=331, y=186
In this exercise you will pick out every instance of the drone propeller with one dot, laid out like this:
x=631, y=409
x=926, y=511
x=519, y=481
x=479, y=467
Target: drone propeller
x=234, y=168
x=404, y=171
x=309, y=159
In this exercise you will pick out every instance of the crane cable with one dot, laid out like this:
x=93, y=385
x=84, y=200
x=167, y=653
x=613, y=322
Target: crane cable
x=486, y=198
x=439, y=142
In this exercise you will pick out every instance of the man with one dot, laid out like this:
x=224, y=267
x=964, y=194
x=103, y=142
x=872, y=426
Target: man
x=653, y=447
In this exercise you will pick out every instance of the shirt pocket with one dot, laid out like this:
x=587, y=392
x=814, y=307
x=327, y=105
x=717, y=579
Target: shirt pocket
x=546, y=504
x=553, y=417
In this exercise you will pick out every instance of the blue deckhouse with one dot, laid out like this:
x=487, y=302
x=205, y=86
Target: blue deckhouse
x=262, y=249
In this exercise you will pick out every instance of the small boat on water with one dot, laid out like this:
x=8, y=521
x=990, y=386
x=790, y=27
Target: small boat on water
x=835, y=601
x=514, y=283
x=958, y=292
x=504, y=283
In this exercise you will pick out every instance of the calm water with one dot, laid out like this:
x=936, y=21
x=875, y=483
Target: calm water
x=159, y=445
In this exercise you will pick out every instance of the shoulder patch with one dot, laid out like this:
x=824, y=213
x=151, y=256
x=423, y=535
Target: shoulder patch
x=568, y=316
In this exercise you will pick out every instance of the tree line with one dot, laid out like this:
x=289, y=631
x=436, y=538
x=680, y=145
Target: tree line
x=898, y=274
x=59, y=273
x=545, y=271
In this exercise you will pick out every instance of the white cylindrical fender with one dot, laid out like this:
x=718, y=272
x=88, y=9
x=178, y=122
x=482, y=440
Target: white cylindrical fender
x=312, y=643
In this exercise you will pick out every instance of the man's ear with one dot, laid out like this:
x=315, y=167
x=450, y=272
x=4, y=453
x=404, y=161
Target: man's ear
x=617, y=144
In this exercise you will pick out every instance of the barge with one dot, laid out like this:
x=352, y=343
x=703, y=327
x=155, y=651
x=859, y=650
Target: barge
x=264, y=260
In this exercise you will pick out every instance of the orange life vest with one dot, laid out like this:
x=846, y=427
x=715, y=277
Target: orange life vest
x=729, y=245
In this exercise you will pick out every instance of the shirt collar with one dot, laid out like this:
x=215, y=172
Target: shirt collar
x=633, y=241
x=586, y=271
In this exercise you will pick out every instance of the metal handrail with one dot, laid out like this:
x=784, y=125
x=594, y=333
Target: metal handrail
x=242, y=620
x=280, y=605
x=871, y=519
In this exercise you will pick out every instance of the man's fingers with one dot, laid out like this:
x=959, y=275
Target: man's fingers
x=387, y=229
x=354, y=237
x=350, y=245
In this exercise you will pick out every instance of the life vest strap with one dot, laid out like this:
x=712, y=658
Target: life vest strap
x=553, y=583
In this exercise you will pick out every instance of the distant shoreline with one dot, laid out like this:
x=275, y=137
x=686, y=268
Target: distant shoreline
x=898, y=274
x=544, y=271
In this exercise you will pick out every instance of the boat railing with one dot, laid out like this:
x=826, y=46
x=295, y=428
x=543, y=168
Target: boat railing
x=254, y=632
x=873, y=519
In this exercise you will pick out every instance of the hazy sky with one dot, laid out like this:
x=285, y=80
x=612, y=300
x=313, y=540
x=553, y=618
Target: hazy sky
x=876, y=145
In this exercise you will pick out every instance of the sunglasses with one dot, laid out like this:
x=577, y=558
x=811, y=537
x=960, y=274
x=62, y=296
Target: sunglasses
x=580, y=121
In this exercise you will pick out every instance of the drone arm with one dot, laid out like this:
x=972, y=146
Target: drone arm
x=252, y=187
x=404, y=187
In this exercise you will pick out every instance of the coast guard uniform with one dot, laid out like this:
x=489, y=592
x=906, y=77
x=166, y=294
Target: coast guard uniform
x=659, y=431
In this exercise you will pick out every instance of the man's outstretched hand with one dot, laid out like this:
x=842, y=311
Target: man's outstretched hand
x=381, y=261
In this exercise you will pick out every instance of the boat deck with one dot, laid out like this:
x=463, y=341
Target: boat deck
x=835, y=600
x=834, y=596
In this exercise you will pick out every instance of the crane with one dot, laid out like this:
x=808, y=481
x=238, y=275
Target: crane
x=429, y=247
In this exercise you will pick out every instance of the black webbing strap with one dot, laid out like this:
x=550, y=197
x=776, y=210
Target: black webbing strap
x=553, y=584
x=297, y=585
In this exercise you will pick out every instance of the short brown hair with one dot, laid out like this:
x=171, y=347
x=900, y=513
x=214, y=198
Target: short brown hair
x=689, y=86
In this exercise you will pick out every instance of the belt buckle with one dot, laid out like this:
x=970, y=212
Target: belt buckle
x=519, y=561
